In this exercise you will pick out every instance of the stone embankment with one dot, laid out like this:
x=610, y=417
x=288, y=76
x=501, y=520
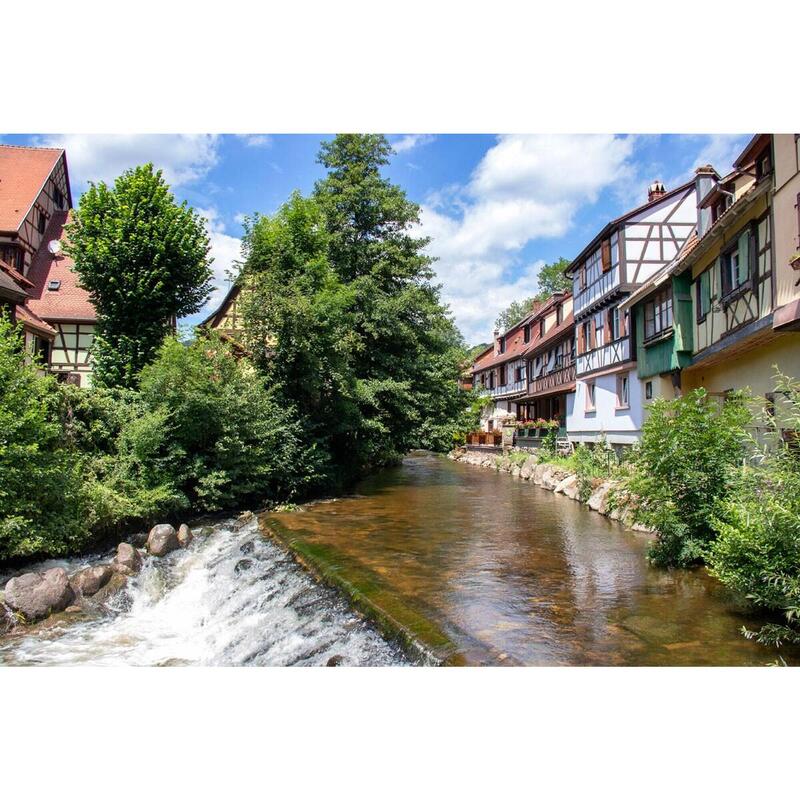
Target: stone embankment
x=606, y=497
x=53, y=595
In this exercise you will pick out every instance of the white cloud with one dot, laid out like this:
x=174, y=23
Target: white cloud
x=225, y=250
x=410, y=141
x=255, y=139
x=525, y=188
x=95, y=157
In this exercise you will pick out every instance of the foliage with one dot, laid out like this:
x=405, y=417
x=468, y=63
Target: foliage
x=552, y=279
x=757, y=549
x=592, y=463
x=343, y=319
x=144, y=260
x=40, y=510
x=683, y=467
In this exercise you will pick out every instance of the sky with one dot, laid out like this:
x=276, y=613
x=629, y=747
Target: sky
x=497, y=207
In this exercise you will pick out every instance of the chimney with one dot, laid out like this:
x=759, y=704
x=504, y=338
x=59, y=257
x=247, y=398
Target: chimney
x=705, y=180
x=655, y=191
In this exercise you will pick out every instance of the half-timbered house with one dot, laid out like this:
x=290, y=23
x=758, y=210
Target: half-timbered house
x=622, y=256
x=56, y=314
x=746, y=298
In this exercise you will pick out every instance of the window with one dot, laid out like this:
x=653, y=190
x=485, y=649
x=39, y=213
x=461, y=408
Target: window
x=501, y=344
x=658, y=314
x=58, y=198
x=648, y=390
x=520, y=374
x=614, y=330
x=503, y=375
x=526, y=333
x=586, y=336
x=13, y=256
x=735, y=264
x=720, y=207
x=764, y=164
x=614, y=249
x=623, y=390
x=590, y=396
x=606, y=255
x=582, y=276
x=703, y=295
x=42, y=223
x=491, y=379
x=559, y=314
x=541, y=327
x=53, y=286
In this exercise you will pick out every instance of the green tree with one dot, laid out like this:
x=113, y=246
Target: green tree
x=683, y=468
x=757, y=549
x=551, y=280
x=144, y=260
x=408, y=353
x=40, y=480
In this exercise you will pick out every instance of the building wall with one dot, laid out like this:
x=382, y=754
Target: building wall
x=786, y=149
x=620, y=425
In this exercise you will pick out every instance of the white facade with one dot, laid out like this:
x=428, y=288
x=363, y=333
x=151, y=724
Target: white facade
x=621, y=425
x=637, y=248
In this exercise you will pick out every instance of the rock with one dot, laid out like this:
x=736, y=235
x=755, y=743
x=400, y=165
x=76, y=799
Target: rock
x=127, y=561
x=515, y=471
x=243, y=519
x=552, y=477
x=90, y=580
x=161, y=540
x=73, y=610
x=538, y=471
x=116, y=583
x=139, y=539
x=334, y=661
x=36, y=595
x=243, y=565
x=568, y=486
x=184, y=535
x=247, y=548
x=598, y=501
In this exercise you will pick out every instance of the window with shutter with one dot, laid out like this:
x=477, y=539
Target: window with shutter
x=606, y=255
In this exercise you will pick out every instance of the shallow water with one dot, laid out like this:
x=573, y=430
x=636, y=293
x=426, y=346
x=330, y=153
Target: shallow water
x=512, y=573
x=232, y=598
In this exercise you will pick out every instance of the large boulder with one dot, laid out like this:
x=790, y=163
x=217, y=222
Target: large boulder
x=184, y=535
x=568, y=487
x=116, y=584
x=598, y=501
x=128, y=560
x=90, y=580
x=36, y=595
x=161, y=540
x=552, y=477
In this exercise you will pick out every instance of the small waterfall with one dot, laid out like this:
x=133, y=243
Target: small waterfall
x=231, y=598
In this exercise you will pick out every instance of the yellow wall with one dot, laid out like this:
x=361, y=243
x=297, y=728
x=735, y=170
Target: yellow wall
x=753, y=369
x=787, y=187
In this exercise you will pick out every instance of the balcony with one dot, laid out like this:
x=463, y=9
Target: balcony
x=555, y=379
x=608, y=355
x=596, y=290
x=517, y=387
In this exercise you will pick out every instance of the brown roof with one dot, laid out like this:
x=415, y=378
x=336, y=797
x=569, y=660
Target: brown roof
x=30, y=320
x=15, y=274
x=9, y=288
x=69, y=301
x=23, y=173
x=553, y=335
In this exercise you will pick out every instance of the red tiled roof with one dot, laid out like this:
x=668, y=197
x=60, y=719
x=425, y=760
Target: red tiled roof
x=553, y=335
x=69, y=301
x=9, y=288
x=30, y=320
x=23, y=172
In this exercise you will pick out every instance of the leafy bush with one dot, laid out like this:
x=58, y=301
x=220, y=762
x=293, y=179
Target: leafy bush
x=592, y=463
x=757, y=550
x=40, y=480
x=683, y=467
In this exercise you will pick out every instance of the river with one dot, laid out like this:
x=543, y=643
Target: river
x=480, y=567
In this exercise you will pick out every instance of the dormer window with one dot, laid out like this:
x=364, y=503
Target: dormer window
x=541, y=327
x=53, y=286
x=559, y=314
x=501, y=344
x=763, y=164
x=526, y=333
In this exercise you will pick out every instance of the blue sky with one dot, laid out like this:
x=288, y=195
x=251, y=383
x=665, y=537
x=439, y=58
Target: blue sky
x=497, y=207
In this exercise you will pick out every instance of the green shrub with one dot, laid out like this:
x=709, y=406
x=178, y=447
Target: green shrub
x=40, y=481
x=683, y=467
x=757, y=549
x=592, y=463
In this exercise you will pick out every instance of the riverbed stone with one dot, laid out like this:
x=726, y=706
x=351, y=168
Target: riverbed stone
x=116, y=583
x=184, y=535
x=598, y=500
x=90, y=580
x=242, y=565
x=128, y=560
x=161, y=540
x=35, y=595
x=568, y=486
x=552, y=477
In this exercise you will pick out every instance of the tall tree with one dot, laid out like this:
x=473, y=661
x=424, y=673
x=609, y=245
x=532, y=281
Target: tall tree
x=144, y=260
x=409, y=351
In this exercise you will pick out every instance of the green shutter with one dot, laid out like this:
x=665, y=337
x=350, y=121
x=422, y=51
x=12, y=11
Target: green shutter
x=705, y=292
x=744, y=258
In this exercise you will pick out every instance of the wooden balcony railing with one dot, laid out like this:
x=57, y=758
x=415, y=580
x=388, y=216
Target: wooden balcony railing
x=554, y=379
